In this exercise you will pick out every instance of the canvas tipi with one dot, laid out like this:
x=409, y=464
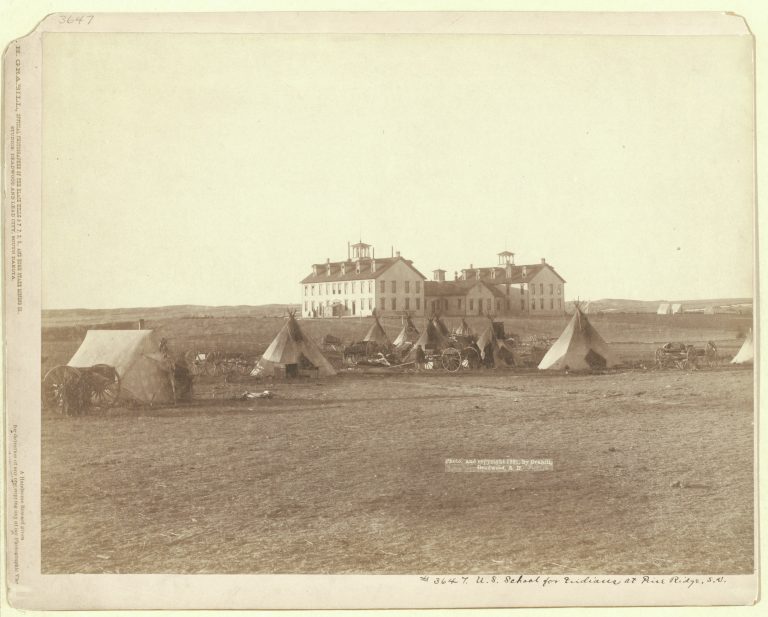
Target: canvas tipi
x=292, y=350
x=746, y=354
x=431, y=338
x=376, y=333
x=463, y=329
x=145, y=373
x=440, y=325
x=409, y=333
x=579, y=347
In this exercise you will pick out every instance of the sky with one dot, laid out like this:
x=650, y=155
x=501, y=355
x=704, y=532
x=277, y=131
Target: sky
x=215, y=169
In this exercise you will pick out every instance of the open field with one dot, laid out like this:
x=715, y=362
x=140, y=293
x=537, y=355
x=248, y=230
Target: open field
x=347, y=475
x=653, y=469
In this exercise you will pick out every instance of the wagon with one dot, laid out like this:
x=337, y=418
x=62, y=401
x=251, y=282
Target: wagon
x=217, y=363
x=73, y=391
x=676, y=355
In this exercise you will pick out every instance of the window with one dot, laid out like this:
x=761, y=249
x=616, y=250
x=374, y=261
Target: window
x=383, y=286
x=541, y=288
x=394, y=287
x=533, y=305
x=471, y=304
x=541, y=304
x=381, y=303
x=394, y=304
x=559, y=303
x=551, y=289
x=346, y=287
x=306, y=305
x=445, y=304
x=533, y=289
x=488, y=305
x=370, y=288
x=418, y=287
x=418, y=303
x=407, y=287
x=522, y=305
x=407, y=303
x=370, y=303
x=551, y=303
x=458, y=303
x=313, y=290
x=559, y=289
x=306, y=290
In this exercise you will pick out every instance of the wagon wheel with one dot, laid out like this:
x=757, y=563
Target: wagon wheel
x=62, y=389
x=451, y=360
x=104, y=384
x=470, y=359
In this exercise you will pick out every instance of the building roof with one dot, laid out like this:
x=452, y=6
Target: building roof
x=457, y=288
x=515, y=271
x=351, y=274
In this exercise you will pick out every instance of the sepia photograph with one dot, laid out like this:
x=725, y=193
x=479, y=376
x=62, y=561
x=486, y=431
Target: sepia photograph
x=466, y=302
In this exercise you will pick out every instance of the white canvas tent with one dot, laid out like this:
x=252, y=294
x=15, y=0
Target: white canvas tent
x=746, y=354
x=145, y=373
x=664, y=309
x=292, y=349
x=579, y=347
x=409, y=333
x=376, y=333
x=676, y=309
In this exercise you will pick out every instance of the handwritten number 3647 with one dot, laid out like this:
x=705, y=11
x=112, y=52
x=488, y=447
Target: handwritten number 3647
x=75, y=19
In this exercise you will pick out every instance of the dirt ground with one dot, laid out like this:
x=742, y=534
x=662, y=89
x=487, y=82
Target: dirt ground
x=652, y=473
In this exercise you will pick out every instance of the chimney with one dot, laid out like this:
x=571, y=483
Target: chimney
x=314, y=269
x=543, y=260
x=343, y=268
x=509, y=271
x=328, y=266
x=525, y=271
x=373, y=265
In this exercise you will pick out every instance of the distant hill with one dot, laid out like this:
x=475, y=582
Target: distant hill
x=611, y=305
x=63, y=317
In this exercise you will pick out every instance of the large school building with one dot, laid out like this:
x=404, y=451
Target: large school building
x=364, y=283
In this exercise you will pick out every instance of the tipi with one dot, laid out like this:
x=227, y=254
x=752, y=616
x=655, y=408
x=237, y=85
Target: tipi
x=579, y=347
x=440, y=325
x=145, y=373
x=408, y=334
x=502, y=351
x=463, y=329
x=431, y=338
x=376, y=333
x=292, y=350
x=746, y=354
